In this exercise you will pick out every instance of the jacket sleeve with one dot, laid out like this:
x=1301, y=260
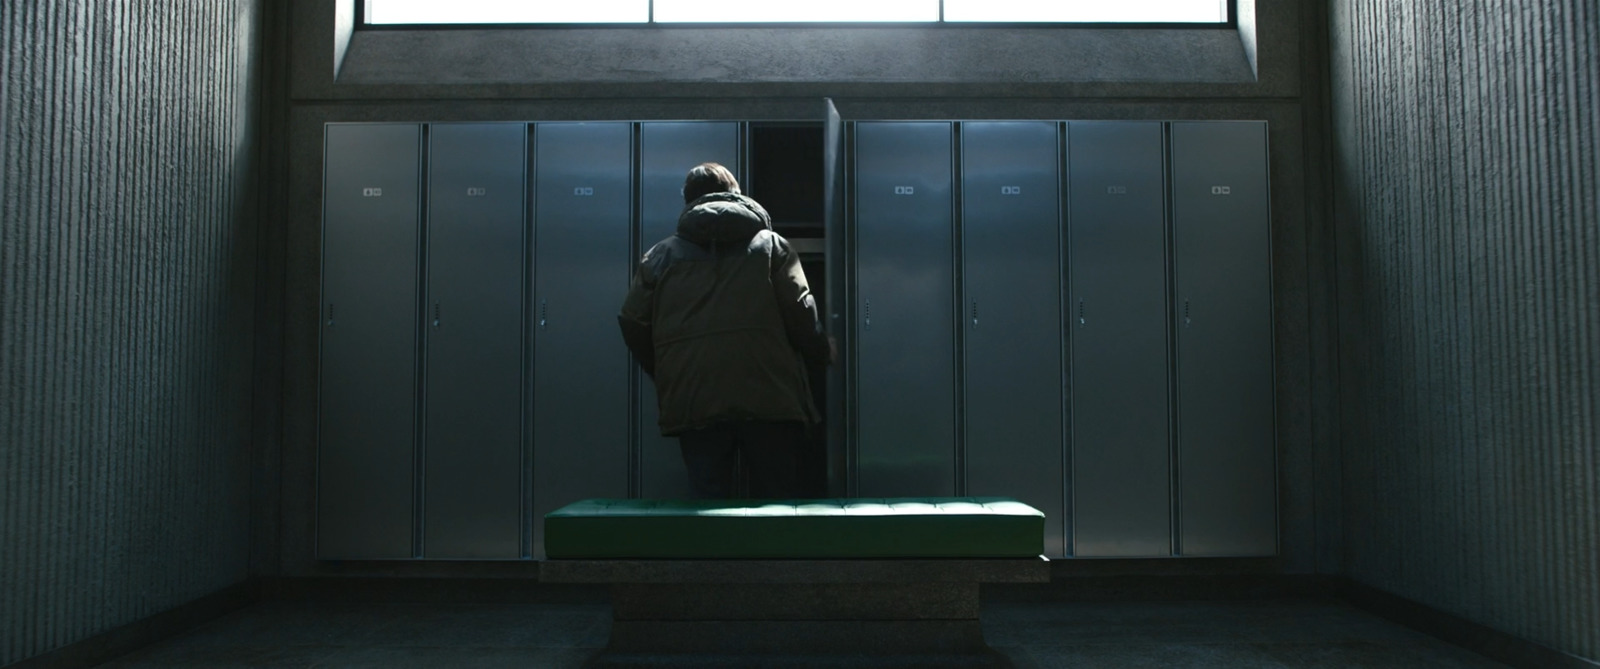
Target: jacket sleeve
x=798, y=307
x=637, y=317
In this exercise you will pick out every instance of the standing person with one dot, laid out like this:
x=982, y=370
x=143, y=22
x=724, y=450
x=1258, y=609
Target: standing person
x=720, y=316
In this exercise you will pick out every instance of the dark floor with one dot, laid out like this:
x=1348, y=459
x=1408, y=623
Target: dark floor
x=1233, y=634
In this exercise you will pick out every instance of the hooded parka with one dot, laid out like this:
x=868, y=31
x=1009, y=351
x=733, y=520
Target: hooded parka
x=721, y=316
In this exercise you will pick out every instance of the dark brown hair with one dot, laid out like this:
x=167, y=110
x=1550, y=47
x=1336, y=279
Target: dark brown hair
x=707, y=178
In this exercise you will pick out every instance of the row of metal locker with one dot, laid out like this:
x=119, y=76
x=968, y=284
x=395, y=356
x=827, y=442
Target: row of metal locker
x=1076, y=314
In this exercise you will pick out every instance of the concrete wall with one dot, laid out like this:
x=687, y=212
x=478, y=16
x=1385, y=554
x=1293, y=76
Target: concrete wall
x=1468, y=218
x=126, y=308
x=747, y=74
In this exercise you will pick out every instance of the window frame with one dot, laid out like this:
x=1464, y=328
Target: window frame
x=1232, y=23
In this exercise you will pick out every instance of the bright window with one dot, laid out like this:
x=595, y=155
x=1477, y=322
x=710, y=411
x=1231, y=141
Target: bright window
x=400, y=12
x=776, y=11
x=1087, y=11
x=507, y=11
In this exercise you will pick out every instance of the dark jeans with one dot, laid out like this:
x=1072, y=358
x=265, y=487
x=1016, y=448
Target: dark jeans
x=770, y=452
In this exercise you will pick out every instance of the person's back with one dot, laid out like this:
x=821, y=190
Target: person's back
x=720, y=315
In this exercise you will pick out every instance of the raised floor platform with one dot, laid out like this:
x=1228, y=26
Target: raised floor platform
x=830, y=582
x=843, y=612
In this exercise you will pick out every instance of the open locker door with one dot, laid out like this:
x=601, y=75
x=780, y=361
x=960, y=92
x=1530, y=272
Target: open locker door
x=836, y=413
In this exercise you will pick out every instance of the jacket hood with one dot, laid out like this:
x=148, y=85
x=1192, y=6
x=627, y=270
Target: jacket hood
x=722, y=218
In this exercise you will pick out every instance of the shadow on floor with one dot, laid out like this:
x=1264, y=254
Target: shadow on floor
x=1082, y=635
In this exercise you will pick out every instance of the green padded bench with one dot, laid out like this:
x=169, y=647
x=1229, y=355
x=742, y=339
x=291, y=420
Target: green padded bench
x=845, y=582
x=976, y=527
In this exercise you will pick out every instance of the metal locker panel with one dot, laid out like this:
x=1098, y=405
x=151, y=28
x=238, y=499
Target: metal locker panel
x=582, y=260
x=472, y=445
x=367, y=418
x=905, y=345
x=666, y=152
x=836, y=413
x=1222, y=258
x=1121, y=445
x=1011, y=266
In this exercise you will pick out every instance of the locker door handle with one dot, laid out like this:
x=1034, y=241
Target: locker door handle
x=435, y=314
x=544, y=313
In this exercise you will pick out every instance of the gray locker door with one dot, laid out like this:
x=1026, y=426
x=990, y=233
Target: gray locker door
x=905, y=283
x=836, y=414
x=582, y=260
x=1121, y=445
x=666, y=152
x=1222, y=257
x=1011, y=265
x=472, y=472
x=367, y=421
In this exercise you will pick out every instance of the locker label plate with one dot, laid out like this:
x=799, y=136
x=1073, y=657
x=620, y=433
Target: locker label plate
x=583, y=191
x=1010, y=190
x=372, y=192
x=905, y=190
x=477, y=192
x=1116, y=190
x=1221, y=190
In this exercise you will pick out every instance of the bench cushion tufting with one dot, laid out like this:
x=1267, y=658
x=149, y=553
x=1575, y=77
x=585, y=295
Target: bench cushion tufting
x=912, y=527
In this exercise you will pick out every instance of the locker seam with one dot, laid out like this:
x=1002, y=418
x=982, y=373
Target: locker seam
x=1175, y=467
x=627, y=277
x=635, y=244
x=1272, y=339
x=523, y=479
x=852, y=287
x=530, y=389
x=959, y=295
x=419, y=439
x=322, y=293
x=1063, y=305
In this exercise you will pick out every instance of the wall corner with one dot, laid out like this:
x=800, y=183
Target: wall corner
x=344, y=25
x=1245, y=19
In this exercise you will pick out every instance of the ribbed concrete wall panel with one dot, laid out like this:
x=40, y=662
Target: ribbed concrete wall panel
x=126, y=238
x=1469, y=144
